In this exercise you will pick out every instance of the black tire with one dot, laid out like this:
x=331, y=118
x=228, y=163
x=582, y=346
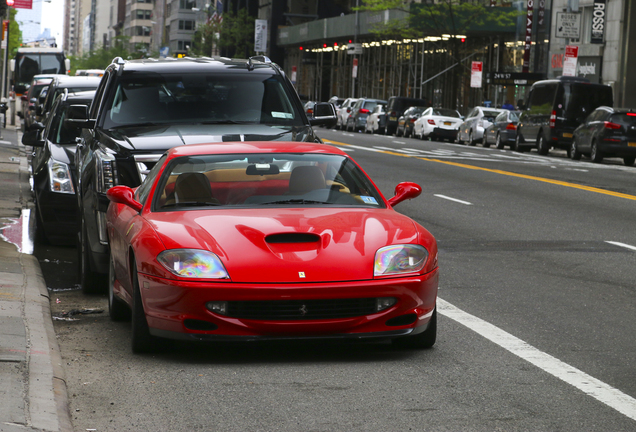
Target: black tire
x=90, y=281
x=485, y=142
x=595, y=154
x=498, y=143
x=424, y=340
x=117, y=309
x=40, y=232
x=629, y=160
x=575, y=154
x=542, y=145
x=141, y=340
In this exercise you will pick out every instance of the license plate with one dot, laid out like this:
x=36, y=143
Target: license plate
x=631, y=144
x=447, y=123
x=393, y=118
x=567, y=135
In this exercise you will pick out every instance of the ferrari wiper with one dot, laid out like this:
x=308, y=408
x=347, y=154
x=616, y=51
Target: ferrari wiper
x=297, y=201
x=191, y=204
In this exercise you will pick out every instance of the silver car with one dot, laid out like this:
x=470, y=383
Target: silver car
x=472, y=129
x=343, y=113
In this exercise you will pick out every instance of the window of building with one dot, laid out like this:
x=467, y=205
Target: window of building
x=183, y=45
x=143, y=14
x=144, y=1
x=187, y=4
x=186, y=25
x=141, y=31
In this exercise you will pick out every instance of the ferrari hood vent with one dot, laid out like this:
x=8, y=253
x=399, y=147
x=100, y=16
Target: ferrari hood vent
x=292, y=238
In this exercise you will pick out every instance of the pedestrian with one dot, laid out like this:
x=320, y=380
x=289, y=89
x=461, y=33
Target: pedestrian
x=507, y=105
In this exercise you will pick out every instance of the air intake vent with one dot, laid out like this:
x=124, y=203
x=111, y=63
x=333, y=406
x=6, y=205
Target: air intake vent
x=292, y=238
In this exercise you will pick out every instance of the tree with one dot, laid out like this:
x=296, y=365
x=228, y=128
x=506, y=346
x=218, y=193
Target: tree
x=101, y=57
x=237, y=34
x=15, y=34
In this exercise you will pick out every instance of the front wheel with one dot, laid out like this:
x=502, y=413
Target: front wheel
x=424, y=340
x=117, y=309
x=542, y=145
x=575, y=154
x=142, y=340
x=90, y=281
x=595, y=154
x=498, y=142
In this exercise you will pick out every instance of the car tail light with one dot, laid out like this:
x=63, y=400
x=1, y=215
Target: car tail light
x=310, y=111
x=631, y=114
x=412, y=120
x=511, y=126
x=552, y=119
x=364, y=111
x=613, y=126
x=431, y=122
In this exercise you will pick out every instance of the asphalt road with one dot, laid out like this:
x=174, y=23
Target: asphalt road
x=535, y=332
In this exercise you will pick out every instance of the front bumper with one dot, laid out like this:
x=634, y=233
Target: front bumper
x=177, y=309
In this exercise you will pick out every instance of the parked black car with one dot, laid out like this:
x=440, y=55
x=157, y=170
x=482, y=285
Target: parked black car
x=142, y=108
x=53, y=166
x=503, y=132
x=396, y=107
x=607, y=132
x=30, y=102
x=555, y=108
x=357, y=120
x=60, y=84
x=407, y=120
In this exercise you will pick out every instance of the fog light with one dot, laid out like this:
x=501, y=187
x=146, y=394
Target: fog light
x=219, y=307
x=382, y=303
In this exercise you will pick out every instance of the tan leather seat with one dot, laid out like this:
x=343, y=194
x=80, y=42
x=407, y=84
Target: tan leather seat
x=193, y=187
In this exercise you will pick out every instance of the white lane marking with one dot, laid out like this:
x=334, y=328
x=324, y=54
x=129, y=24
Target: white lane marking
x=452, y=199
x=394, y=150
x=356, y=147
x=345, y=149
x=348, y=134
x=589, y=385
x=630, y=247
x=399, y=142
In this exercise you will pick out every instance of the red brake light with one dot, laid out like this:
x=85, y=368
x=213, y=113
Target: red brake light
x=364, y=111
x=553, y=119
x=431, y=122
x=610, y=125
x=631, y=114
x=23, y=97
x=511, y=126
x=412, y=120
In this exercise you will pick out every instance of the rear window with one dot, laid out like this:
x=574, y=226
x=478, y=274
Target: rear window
x=625, y=119
x=581, y=99
x=542, y=99
x=400, y=104
x=491, y=115
x=446, y=112
x=370, y=105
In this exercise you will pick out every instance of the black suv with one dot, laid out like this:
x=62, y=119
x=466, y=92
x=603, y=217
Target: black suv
x=62, y=84
x=142, y=108
x=396, y=107
x=554, y=109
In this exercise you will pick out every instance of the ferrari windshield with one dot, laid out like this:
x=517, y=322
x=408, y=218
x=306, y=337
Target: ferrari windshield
x=220, y=98
x=262, y=180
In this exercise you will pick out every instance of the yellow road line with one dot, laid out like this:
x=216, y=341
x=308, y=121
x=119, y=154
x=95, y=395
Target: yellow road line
x=507, y=173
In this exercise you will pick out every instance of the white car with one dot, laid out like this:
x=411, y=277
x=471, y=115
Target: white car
x=437, y=123
x=343, y=113
x=472, y=129
x=376, y=122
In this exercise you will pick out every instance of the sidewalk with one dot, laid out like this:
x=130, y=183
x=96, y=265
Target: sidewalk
x=32, y=384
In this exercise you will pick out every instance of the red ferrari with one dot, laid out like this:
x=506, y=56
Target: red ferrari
x=268, y=240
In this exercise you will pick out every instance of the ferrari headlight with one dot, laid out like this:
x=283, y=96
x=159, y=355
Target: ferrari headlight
x=193, y=263
x=60, y=177
x=398, y=259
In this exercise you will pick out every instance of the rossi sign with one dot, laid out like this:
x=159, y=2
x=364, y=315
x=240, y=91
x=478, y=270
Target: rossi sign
x=599, y=13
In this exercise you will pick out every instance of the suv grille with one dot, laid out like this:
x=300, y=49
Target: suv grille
x=144, y=163
x=301, y=309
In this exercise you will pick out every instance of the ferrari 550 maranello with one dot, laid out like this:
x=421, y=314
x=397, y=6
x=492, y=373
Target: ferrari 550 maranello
x=268, y=240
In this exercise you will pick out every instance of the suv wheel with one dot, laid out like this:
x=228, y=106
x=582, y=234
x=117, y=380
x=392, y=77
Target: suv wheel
x=90, y=281
x=595, y=154
x=542, y=145
x=575, y=154
x=517, y=145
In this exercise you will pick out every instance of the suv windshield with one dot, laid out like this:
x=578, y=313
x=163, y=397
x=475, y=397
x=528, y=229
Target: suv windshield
x=268, y=179
x=201, y=99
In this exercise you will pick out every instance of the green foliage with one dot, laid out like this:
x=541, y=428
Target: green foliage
x=237, y=34
x=15, y=34
x=206, y=38
x=102, y=57
x=453, y=17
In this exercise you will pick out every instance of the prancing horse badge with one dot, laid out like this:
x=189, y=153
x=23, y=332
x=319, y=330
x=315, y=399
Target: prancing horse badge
x=301, y=274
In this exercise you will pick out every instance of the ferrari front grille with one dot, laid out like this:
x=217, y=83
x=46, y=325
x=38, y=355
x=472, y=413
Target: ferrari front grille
x=274, y=310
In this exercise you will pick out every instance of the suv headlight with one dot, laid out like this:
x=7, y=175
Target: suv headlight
x=398, y=259
x=60, y=177
x=106, y=171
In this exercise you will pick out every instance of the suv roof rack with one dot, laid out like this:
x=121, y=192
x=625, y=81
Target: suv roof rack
x=119, y=61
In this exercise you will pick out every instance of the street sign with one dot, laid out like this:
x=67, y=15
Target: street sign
x=355, y=48
x=598, y=22
x=515, y=78
x=354, y=72
x=476, y=74
x=570, y=59
x=260, y=35
x=568, y=25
